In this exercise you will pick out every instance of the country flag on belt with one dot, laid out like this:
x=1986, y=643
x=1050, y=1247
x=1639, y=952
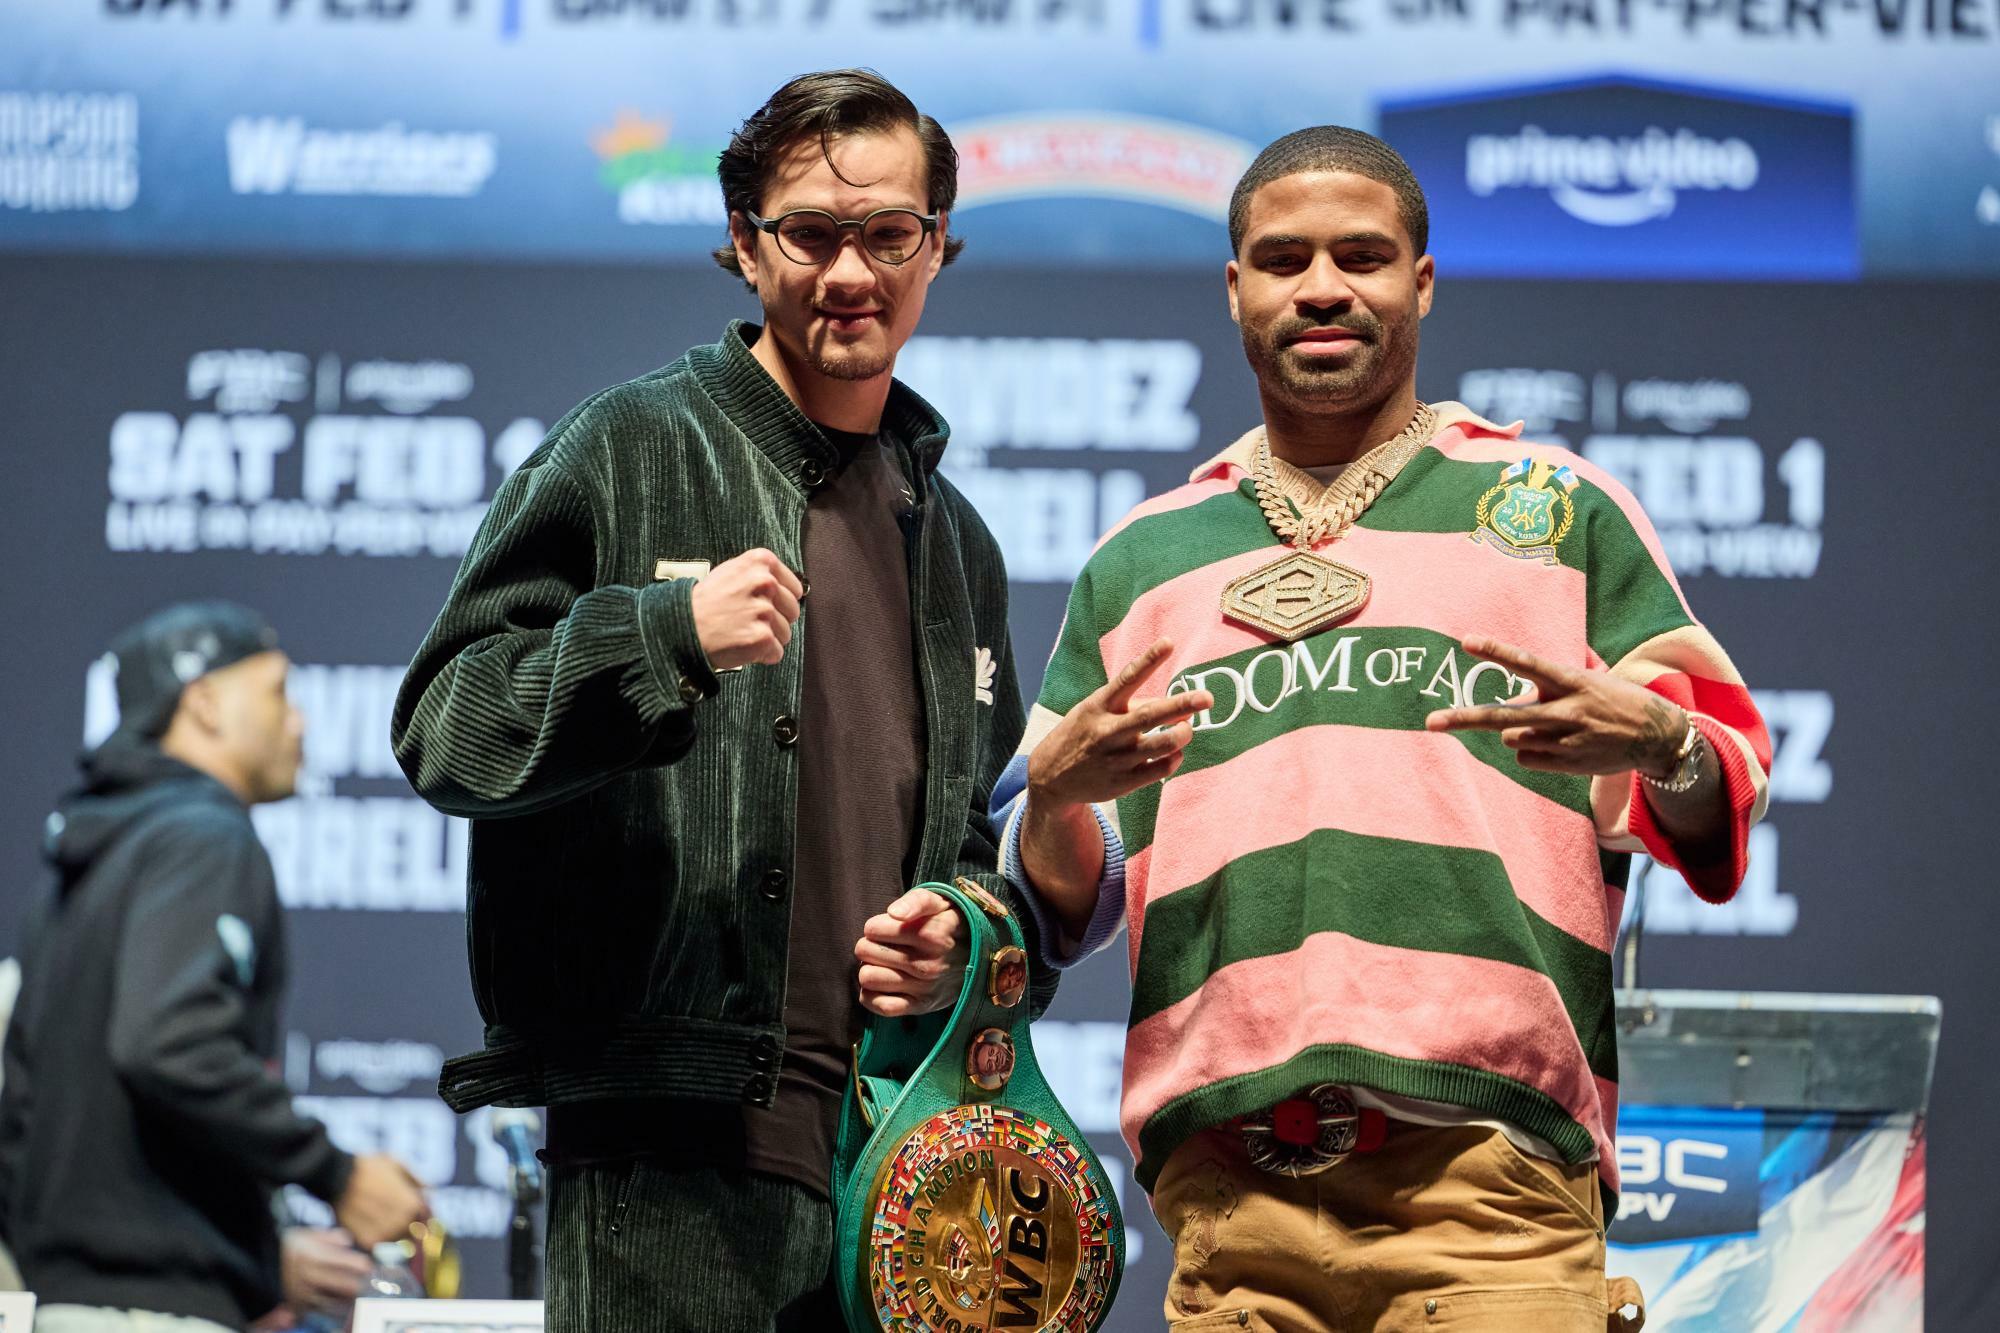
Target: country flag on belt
x=987, y=1221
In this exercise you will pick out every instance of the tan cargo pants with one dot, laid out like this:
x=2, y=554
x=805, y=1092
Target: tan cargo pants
x=1440, y=1229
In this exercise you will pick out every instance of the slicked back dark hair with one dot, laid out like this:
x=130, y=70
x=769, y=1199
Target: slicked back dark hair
x=823, y=107
x=1333, y=148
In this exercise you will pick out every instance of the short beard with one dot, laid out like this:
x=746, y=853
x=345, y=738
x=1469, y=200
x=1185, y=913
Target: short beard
x=851, y=368
x=1330, y=391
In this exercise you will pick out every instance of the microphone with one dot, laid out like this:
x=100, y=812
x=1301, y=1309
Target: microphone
x=1636, y=927
x=514, y=1129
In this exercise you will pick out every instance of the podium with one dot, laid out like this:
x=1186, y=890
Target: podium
x=1771, y=1156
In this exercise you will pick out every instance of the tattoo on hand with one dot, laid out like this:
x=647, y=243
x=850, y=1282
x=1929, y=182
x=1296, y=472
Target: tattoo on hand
x=1657, y=739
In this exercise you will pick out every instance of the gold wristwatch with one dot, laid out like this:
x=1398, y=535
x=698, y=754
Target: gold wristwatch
x=1687, y=763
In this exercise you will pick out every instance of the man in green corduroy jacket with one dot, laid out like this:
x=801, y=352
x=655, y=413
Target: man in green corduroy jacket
x=726, y=670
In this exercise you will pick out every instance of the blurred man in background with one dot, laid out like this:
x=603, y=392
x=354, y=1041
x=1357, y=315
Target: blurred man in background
x=142, y=1132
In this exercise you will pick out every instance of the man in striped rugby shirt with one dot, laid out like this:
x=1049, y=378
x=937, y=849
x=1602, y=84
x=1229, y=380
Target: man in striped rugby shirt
x=1430, y=687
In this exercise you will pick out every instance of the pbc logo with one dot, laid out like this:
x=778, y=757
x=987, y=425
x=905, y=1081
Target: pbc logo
x=1687, y=1173
x=1622, y=177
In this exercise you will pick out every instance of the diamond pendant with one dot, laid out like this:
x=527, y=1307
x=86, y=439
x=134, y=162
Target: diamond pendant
x=1295, y=595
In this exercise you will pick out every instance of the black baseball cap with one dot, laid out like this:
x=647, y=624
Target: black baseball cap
x=173, y=647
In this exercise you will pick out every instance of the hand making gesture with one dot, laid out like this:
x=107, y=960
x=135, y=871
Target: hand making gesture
x=1114, y=743
x=1573, y=719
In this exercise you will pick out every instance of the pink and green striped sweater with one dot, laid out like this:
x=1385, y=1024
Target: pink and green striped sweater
x=1325, y=890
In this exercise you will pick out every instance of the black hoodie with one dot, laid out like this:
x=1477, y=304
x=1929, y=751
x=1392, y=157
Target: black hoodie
x=142, y=1131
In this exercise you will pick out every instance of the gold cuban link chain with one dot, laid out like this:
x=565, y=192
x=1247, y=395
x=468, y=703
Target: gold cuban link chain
x=1344, y=500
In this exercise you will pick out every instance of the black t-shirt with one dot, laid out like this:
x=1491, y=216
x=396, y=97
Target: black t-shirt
x=861, y=761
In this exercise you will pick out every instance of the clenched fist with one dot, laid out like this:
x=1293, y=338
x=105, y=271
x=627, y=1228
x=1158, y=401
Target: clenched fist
x=744, y=610
x=912, y=956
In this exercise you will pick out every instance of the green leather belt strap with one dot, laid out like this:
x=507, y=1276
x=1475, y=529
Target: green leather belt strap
x=965, y=1197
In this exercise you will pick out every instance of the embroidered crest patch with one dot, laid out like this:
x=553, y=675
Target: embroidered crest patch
x=1528, y=513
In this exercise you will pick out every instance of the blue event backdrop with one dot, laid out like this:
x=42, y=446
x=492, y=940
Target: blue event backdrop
x=1608, y=137
x=287, y=286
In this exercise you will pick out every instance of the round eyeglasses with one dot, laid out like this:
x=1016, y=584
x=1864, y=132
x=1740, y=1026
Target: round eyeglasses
x=811, y=236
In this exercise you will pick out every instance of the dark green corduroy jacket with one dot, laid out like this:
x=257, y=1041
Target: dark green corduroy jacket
x=631, y=870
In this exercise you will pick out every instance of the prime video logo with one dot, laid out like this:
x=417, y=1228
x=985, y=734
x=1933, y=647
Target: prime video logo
x=1607, y=181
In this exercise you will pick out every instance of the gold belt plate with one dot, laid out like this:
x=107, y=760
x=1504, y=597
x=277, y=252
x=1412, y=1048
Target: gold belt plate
x=985, y=1217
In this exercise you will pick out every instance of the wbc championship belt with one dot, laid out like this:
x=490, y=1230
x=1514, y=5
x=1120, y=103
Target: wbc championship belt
x=966, y=1199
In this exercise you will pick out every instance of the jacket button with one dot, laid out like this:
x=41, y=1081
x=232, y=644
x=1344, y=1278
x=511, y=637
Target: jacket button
x=812, y=472
x=785, y=730
x=774, y=884
x=690, y=692
x=758, y=1088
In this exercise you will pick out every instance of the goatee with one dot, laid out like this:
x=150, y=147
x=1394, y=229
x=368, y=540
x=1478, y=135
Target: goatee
x=857, y=367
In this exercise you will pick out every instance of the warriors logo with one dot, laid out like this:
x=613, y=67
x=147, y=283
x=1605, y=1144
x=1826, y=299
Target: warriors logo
x=986, y=1219
x=1524, y=516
